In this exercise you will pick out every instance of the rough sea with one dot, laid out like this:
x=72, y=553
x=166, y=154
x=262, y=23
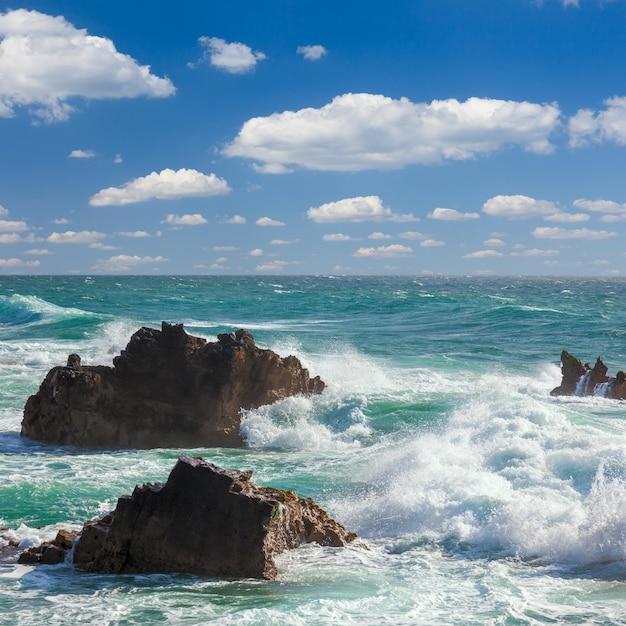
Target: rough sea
x=479, y=497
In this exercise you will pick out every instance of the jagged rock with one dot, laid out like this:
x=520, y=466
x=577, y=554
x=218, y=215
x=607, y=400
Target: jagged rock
x=49, y=552
x=584, y=380
x=166, y=389
x=204, y=520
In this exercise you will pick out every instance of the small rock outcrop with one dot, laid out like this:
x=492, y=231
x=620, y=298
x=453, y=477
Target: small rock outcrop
x=583, y=380
x=166, y=389
x=204, y=520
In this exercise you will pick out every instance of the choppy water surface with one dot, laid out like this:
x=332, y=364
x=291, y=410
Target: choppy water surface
x=482, y=499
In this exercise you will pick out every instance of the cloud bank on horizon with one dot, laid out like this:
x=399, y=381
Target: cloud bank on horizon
x=301, y=137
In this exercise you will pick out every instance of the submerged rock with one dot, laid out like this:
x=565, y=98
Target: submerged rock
x=166, y=389
x=584, y=380
x=204, y=520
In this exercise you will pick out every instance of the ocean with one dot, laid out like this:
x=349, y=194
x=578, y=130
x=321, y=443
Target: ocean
x=478, y=497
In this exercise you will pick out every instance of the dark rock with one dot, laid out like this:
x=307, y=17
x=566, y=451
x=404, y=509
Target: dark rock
x=584, y=380
x=166, y=389
x=49, y=552
x=204, y=520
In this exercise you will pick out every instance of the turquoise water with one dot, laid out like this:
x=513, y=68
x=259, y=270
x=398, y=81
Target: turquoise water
x=481, y=499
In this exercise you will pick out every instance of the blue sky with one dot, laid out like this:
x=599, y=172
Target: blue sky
x=272, y=137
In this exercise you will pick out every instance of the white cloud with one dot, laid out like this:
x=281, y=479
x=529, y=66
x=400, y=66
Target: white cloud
x=268, y=221
x=394, y=250
x=359, y=209
x=366, y=131
x=271, y=168
x=336, y=237
x=234, y=58
x=125, y=262
x=283, y=242
x=412, y=234
x=452, y=215
x=564, y=233
x=588, y=126
x=600, y=206
x=167, y=184
x=135, y=233
x=3, y=212
x=518, y=207
x=18, y=263
x=379, y=235
x=312, y=53
x=494, y=243
x=272, y=266
x=118, y=159
x=194, y=219
x=10, y=225
x=98, y=245
x=37, y=252
x=10, y=238
x=70, y=236
x=483, y=254
x=45, y=62
x=61, y=221
x=235, y=219
x=535, y=252
x=563, y=217
x=224, y=248
x=256, y=252
x=82, y=154
x=431, y=243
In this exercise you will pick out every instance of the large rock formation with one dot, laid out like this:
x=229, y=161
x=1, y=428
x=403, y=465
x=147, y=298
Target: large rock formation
x=204, y=520
x=166, y=389
x=584, y=380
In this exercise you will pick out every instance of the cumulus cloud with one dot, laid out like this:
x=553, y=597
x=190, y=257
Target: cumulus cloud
x=367, y=131
x=235, y=219
x=134, y=234
x=564, y=233
x=13, y=262
x=483, y=254
x=256, y=252
x=37, y=252
x=394, y=250
x=14, y=226
x=379, y=235
x=234, y=58
x=564, y=217
x=359, y=209
x=268, y=221
x=70, y=236
x=45, y=62
x=312, y=53
x=601, y=206
x=451, y=215
x=494, y=243
x=589, y=126
x=194, y=219
x=10, y=238
x=118, y=159
x=82, y=154
x=272, y=266
x=224, y=248
x=536, y=252
x=125, y=262
x=518, y=206
x=61, y=221
x=167, y=184
x=412, y=234
x=336, y=237
x=283, y=242
x=431, y=243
